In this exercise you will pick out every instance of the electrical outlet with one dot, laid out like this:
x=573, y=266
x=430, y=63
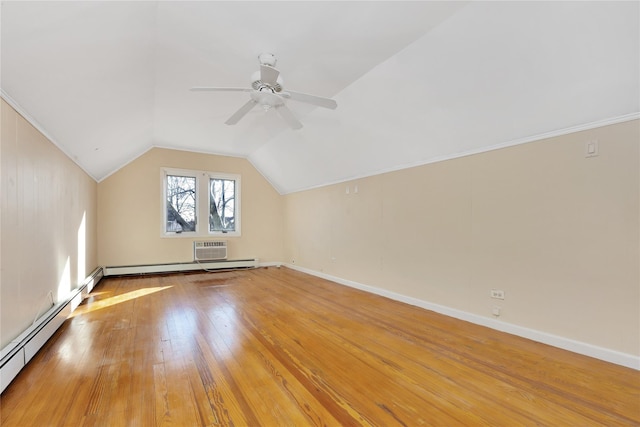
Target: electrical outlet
x=496, y=311
x=497, y=294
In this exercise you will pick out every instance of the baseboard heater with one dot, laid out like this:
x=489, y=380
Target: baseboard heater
x=21, y=350
x=126, y=270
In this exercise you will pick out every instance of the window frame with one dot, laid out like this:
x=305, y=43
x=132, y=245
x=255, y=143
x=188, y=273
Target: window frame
x=202, y=203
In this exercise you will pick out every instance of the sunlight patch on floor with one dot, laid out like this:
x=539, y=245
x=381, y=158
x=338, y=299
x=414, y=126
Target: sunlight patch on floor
x=108, y=302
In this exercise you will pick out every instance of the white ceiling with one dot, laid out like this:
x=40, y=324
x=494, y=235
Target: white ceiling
x=415, y=82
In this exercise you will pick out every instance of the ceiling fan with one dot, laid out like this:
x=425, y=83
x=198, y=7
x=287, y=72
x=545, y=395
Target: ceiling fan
x=266, y=90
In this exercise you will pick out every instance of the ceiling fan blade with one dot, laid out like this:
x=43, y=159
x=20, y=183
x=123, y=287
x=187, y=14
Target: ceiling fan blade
x=311, y=99
x=288, y=116
x=241, y=112
x=269, y=75
x=220, y=89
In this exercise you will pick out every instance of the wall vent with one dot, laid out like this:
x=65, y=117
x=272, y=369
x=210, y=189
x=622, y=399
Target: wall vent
x=209, y=250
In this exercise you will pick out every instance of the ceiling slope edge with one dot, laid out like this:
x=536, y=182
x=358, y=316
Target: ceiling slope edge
x=33, y=122
x=282, y=191
x=551, y=134
x=169, y=147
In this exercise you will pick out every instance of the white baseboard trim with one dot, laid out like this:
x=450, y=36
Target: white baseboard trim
x=608, y=355
x=15, y=355
x=270, y=264
x=180, y=266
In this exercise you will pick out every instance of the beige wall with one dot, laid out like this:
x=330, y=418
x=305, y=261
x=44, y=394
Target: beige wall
x=130, y=213
x=48, y=224
x=558, y=232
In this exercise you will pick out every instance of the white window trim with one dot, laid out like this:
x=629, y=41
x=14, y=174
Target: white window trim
x=202, y=203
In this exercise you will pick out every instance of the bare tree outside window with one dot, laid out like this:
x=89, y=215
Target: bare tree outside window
x=222, y=206
x=190, y=195
x=181, y=203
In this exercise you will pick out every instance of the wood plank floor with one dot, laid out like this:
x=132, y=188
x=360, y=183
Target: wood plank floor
x=275, y=347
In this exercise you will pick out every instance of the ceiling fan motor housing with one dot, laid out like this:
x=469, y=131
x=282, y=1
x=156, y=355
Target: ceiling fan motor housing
x=258, y=84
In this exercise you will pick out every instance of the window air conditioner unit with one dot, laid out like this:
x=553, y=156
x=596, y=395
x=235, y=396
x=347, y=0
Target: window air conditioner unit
x=209, y=250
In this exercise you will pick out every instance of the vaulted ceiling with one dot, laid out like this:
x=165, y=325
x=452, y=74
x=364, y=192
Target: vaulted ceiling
x=415, y=82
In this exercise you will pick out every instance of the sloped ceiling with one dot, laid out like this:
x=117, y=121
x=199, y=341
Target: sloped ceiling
x=415, y=82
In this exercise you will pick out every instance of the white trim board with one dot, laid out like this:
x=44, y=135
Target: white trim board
x=180, y=266
x=15, y=355
x=33, y=122
x=471, y=152
x=605, y=354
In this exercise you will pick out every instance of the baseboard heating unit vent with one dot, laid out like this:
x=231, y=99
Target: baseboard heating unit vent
x=224, y=264
x=19, y=352
x=209, y=250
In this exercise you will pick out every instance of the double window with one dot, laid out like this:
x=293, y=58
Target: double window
x=191, y=196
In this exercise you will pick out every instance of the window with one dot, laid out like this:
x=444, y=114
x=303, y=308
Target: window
x=181, y=203
x=189, y=196
x=222, y=205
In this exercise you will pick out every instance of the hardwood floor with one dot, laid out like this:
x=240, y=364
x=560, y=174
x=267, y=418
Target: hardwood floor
x=276, y=347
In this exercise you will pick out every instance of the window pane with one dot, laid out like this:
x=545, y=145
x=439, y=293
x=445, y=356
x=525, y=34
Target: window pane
x=181, y=203
x=222, y=205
